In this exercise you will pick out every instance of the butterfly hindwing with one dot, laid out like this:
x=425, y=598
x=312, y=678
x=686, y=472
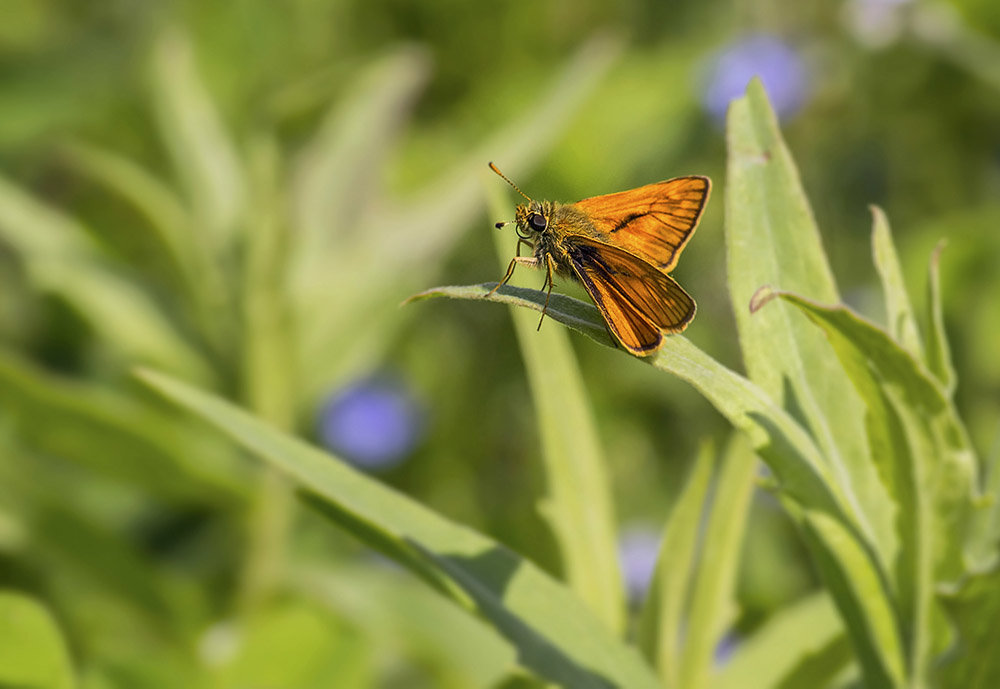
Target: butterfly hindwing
x=653, y=222
x=639, y=303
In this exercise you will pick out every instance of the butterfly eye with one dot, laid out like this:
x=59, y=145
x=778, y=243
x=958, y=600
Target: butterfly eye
x=537, y=222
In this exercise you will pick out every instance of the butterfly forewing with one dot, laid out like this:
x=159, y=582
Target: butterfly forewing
x=638, y=302
x=653, y=222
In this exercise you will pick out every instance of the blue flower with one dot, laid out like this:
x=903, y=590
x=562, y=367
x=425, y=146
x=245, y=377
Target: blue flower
x=779, y=66
x=725, y=649
x=373, y=423
x=638, y=547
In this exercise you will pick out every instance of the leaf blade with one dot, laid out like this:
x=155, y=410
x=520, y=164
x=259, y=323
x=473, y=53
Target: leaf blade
x=555, y=634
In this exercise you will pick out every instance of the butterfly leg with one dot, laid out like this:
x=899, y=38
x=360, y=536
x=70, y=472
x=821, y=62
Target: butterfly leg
x=529, y=261
x=550, y=267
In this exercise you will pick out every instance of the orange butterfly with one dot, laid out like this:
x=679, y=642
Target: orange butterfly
x=620, y=247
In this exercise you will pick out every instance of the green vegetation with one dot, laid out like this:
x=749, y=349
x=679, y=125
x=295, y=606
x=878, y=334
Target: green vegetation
x=210, y=214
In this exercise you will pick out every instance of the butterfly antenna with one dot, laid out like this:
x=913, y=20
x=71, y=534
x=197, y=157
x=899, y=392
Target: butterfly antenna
x=507, y=180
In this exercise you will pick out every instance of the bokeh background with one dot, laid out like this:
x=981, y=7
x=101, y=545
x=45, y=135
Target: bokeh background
x=148, y=147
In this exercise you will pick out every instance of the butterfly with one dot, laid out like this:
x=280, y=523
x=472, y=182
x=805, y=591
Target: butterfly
x=620, y=247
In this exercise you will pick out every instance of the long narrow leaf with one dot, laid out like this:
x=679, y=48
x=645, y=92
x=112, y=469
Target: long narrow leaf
x=114, y=436
x=938, y=349
x=772, y=239
x=408, y=240
x=196, y=138
x=935, y=469
x=805, y=639
x=774, y=434
x=555, y=634
x=63, y=261
x=578, y=505
x=662, y=622
x=900, y=319
x=33, y=652
x=789, y=452
x=713, y=597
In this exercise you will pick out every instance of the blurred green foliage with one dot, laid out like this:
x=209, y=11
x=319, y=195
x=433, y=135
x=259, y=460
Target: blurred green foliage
x=157, y=156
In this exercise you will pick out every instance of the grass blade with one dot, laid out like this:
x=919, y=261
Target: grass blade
x=410, y=239
x=203, y=155
x=938, y=349
x=934, y=469
x=63, y=261
x=578, y=504
x=772, y=239
x=900, y=319
x=33, y=653
x=661, y=621
x=806, y=639
x=713, y=594
x=555, y=634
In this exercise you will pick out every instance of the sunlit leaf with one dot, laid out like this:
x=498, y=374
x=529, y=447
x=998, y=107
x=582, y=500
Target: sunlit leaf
x=61, y=259
x=555, y=634
x=407, y=240
x=938, y=349
x=772, y=239
x=662, y=620
x=33, y=652
x=933, y=468
x=713, y=593
x=900, y=319
x=203, y=155
x=802, y=644
x=577, y=505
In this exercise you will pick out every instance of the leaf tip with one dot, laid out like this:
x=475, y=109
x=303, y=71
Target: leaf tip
x=762, y=296
x=937, y=251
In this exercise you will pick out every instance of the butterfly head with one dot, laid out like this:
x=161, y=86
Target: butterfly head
x=531, y=218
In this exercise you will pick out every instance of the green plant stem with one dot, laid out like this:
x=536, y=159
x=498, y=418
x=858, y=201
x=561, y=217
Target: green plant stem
x=269, y=377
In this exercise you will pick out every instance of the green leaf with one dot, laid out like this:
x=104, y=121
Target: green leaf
x=33, y=652
x=62, y=260
x=804, y=640
x=774, y=434
x=157, y=203
x=951, y=466
x=973, y=663
x=772, y=239
x=578, y=504
x=938, y=349
x=662, y=620
x=199, y=275
x=196, y=139
x=115, y=436
x=779, y=440
x=713, y=594
x=393, y=609
x=900, y=319
x=555, y=634
x=925, y=454
x=409, y=239
x=337, y=173
x=857, y=586
x=293, y=643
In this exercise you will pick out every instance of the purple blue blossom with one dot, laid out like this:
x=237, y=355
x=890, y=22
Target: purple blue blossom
x=725, y=648
x=373, y=423
x=778, y=65
x=638, y=547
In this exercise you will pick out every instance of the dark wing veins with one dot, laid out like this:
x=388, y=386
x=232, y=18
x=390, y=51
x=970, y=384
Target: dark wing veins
x=623, y=223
